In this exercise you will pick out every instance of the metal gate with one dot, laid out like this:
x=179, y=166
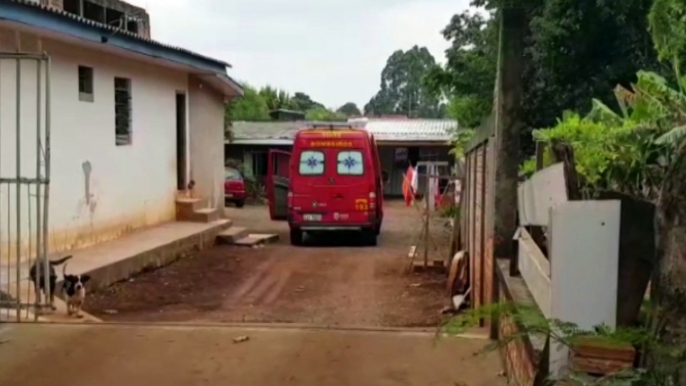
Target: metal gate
x=24, y=183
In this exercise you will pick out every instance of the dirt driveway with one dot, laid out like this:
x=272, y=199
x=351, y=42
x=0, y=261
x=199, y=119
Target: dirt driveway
x=115, y=355
x=332, y=283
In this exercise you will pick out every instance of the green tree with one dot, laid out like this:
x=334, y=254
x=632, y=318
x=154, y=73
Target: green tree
x=324, y=114
x=402, y=90
x=349, y=110
x=302, y=102
x=251, y=107
x=579, y=50
x=468, y=78
x=276, y=99
x=576, y=50
x=669, y=284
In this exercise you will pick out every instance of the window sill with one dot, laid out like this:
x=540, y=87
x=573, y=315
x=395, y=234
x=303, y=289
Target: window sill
x=84, y=97
x=123, y=140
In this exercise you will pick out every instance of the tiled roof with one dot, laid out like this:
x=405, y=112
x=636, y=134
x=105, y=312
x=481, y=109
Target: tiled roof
x=60, y=12
x=391, y=130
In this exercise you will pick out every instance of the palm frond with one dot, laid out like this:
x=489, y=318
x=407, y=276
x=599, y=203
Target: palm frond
x=601, y=113
x=672, y=137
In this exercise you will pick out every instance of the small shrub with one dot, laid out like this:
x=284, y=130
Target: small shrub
x=449, y=211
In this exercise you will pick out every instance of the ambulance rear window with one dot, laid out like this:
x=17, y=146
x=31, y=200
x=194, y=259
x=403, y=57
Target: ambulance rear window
x=311, y=163
x=350, y=163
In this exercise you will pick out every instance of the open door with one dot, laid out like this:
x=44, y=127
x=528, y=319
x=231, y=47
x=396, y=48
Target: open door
x=278, y=183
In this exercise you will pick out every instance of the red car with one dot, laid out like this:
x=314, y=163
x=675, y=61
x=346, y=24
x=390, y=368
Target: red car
x=234, y=188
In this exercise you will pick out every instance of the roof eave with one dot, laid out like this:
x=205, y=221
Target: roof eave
x=39, y=17
x=264, y=142
x=224, y=84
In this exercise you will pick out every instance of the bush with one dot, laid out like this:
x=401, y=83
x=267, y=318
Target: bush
x=450, y=211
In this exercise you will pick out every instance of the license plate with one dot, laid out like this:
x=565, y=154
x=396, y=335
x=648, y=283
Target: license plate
x=312, y=217
x=229, y=195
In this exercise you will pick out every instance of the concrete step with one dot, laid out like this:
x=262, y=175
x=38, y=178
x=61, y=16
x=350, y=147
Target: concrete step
x=186, y=207
x=206, y=215
x=256, y=239
x=231, y=235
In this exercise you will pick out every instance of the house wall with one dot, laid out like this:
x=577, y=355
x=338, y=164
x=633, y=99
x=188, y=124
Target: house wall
x=207, y=142
x=98, y=190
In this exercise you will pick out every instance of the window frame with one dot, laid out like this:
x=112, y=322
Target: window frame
x=86, y=95
x=338, y=162
x=300, y=163
x=123, y=139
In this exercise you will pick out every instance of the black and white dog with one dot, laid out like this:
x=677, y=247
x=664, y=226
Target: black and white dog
x=74, y=291
x=37, y=276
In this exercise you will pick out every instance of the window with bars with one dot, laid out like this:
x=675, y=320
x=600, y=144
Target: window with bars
x=85, y=84
x=122, y=111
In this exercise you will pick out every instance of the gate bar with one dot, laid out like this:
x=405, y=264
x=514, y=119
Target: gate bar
x=18, y=190
x=8, y=267
x=24, y=180
x=46, y=154
x=22, y=56
x=39, y=65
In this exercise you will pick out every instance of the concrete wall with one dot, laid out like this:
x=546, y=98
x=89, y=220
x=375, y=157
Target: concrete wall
x=207, y=141
x=98, y=190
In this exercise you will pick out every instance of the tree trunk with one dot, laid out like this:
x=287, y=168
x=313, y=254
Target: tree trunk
x=669, y=283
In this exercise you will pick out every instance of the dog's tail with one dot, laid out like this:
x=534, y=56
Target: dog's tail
x=60, y=261
x=64, y=271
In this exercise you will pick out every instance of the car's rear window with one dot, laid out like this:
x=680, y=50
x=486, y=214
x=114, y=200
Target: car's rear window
x=311, y=163
x=350, y=163
x=233, y=174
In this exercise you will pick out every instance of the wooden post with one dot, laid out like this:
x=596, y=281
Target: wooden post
x=564, y=153
x=513, y=24
x=540, y=155
x=426, y=223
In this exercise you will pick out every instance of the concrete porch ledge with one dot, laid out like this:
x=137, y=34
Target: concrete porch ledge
x=119, y=259
x=114, y=261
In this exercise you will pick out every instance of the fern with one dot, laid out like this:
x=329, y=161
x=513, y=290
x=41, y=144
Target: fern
x=530, y=321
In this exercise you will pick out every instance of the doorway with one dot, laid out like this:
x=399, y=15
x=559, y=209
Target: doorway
x=181, y=141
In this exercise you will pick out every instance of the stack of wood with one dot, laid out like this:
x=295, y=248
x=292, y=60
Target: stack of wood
x=597, y=356
x=434, y=263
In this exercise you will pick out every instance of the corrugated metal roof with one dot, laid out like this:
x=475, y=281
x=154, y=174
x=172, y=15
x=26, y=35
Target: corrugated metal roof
x=92, y=23
x=265, y=130
x=411, y=129
x=389, y=130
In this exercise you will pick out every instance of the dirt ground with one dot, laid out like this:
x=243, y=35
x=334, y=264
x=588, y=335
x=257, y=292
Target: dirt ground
x=331, y=282
x=124, y=354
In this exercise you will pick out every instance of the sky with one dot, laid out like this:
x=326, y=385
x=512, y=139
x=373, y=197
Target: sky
x=332, y=50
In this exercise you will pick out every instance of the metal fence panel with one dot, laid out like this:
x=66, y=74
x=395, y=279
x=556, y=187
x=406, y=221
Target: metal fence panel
x=24, y=182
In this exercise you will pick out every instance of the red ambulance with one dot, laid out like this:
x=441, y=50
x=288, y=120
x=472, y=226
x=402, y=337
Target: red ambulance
x=332, y=181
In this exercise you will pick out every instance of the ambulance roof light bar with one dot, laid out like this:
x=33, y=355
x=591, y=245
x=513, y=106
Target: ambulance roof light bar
x=334, y=125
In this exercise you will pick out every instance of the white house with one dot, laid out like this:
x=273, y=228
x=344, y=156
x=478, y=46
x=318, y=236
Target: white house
x=131, y=121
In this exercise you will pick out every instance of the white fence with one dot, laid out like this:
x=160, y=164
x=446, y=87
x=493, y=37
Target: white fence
x=577, y=282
